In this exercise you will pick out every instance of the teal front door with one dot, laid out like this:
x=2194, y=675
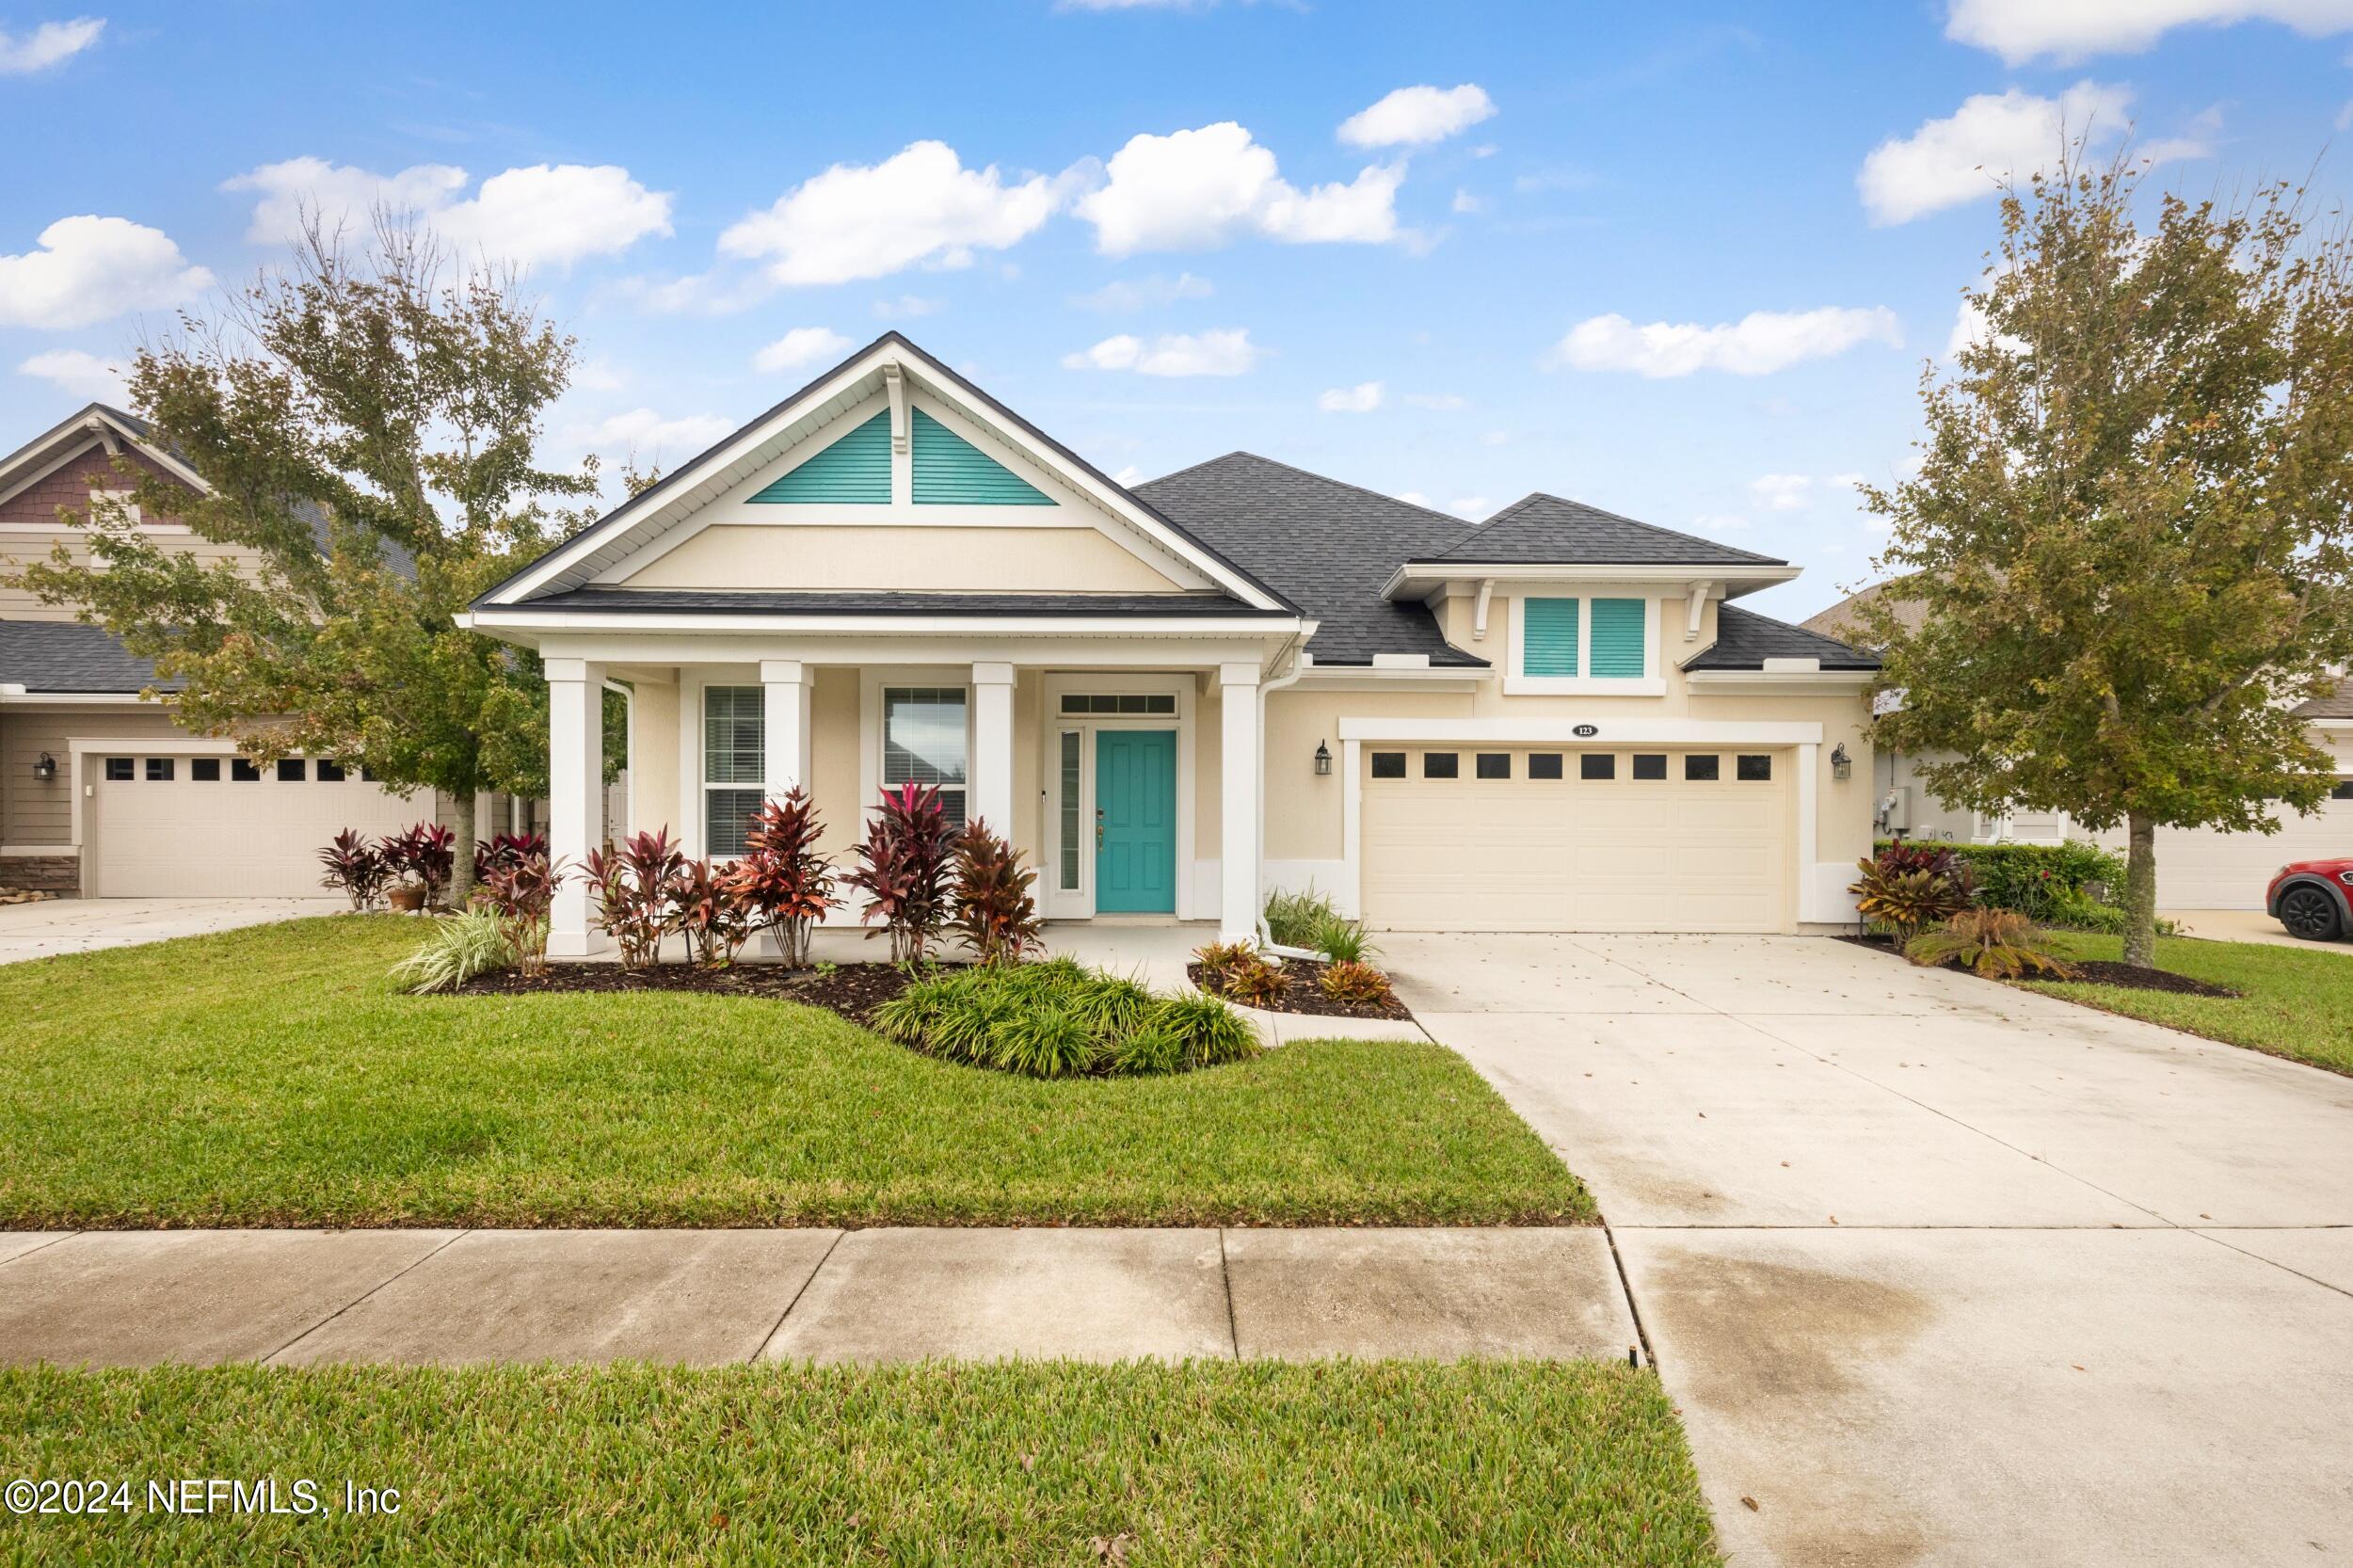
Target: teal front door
x=1135, y=821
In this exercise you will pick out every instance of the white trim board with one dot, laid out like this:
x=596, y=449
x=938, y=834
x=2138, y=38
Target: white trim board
x=1604, y=731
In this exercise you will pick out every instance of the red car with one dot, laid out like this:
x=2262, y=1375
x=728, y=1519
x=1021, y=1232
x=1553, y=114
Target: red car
x=2313, y=899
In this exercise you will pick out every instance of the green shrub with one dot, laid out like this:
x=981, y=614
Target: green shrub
x=2042, y=882
x=1293, y=920
x=1059, y=1019
x=1343, y=942
x=456, y=948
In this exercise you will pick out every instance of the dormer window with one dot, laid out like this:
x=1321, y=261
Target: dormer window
x=1602, y=644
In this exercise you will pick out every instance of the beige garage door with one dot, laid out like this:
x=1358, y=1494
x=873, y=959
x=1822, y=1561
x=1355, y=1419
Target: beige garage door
x=164, y=825
x=1535, y=840
x=2202, y=869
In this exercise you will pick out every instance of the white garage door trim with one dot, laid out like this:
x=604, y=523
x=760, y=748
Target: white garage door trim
x=1805, y=739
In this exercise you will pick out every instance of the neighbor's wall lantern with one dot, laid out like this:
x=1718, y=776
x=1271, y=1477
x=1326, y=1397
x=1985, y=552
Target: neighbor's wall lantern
x=46, y=769
x=1841, y=765
x=1324, y=759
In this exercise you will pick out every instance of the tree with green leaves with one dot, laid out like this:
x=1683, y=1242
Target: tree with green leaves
x=366, y=425
x=2129, y=531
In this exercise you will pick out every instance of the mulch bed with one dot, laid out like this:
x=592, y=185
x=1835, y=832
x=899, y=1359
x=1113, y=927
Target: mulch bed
x=2088, y=971
x=1301, y=993
x=853, y=990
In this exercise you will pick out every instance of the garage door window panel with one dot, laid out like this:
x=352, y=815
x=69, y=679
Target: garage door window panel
x=204, y=770
x=1440, y=764
x=1388, y=765
x=1598, y=766
x=291, y=771
x=159, y=769
x=1650, y=764
x=1495, y=764
x=1702, y=767
x=243, y=770
x=119, y=769
x=1543, y=764
x=330, y=773
x=1753, y=768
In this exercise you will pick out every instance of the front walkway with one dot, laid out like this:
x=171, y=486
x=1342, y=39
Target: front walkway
x=85, y=924
x=704, y=1297
x=1938, y=1271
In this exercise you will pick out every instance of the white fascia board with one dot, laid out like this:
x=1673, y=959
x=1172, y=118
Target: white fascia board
x=1418, y=580
x=92, y=422
x=1765, y=682
x=1391, y=674
x=75, y=699
x=497, y=619
x=1549, y=731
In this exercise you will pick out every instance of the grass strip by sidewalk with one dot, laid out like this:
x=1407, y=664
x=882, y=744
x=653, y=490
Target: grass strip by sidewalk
x=272, y=1077
x=2296, y=1002
x=1330, y=1462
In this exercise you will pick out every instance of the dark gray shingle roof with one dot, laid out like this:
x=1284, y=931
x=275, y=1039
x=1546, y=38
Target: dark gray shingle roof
x=63, y=656
x=1540, y=529
x=1327, y=546
x=1744, y=640
x=655, y=601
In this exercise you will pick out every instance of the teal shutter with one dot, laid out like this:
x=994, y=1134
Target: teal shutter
x=853, y=471
x=951, y=471
x=1617, y=644
x=1548, y=641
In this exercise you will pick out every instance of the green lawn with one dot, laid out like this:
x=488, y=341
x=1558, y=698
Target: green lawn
x=1334, y=1462
x=271, y=1077
x=2297, y=1003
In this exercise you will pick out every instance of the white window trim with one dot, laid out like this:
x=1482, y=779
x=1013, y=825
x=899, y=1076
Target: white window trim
x=1517, y=683
x=870, y=723
x=702, y=757
x=1056, y=901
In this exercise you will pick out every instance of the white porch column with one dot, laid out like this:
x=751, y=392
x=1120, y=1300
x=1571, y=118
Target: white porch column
x=785, y=692
x=575, y=796
x=990, y=791
x=1238, y=764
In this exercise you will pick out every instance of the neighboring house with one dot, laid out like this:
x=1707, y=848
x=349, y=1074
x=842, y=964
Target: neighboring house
x=1174, y=696
x=2197, y=868
x=101, y=792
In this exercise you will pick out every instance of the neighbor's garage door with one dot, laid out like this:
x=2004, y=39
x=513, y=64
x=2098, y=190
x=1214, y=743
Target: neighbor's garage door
x=1521, y=839
x=2202, y=869
x=160, y=825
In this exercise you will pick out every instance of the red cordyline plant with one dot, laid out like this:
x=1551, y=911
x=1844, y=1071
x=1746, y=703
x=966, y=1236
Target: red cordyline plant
x=705, y=905
x=424, y=852
x=902, y=870
x=520, y=891
x=504, y=850
x=785, y=885
x=993, y=907
x=631, y=886
x=356, y=867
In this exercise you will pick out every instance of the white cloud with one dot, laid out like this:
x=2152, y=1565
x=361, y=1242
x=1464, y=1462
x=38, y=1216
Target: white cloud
x=2019, y=30
x=1470, y=506
x=1143, y=293
x=1758, y=343
x=1989, y=139
x=1436, y=400
x=907, y=307
x=88, y=268
x=2345, y=116
x=1128, y=475
x=1466, y=202
x=51, y=43
x=1226, y=352
x=552, y=214
x=801, y=348
x=1969, y=330
x=1719, y=523
x=1494, y=437
x=1192, y=189
x=1362, y=398
x=1414, y=498
x=1781, y=492
x=596, y=375
x=920, y=206
x=651, y=439
x=80, y=373
x=1415, y=116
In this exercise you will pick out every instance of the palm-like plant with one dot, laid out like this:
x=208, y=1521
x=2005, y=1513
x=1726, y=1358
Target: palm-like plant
x=993, y=907
x=631, y=885
x=704, y=905
x=520, y=890
x=901, y=867
x=1999, y=944
x=1907, y=899
x=356, y=867
x=784, y=883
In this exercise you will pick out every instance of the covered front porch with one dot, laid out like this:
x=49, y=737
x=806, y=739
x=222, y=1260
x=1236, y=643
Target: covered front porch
x=1127, y=771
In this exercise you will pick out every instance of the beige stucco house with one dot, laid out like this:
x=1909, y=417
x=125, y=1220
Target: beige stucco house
x=1177, y=694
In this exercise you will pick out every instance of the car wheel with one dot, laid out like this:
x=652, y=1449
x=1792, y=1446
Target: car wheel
x=2309, y=913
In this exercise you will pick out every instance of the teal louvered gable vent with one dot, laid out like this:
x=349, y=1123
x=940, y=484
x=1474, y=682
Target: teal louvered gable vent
x=1548, y=641
x=1617, y=638
x=854, y=471
x=951, y=471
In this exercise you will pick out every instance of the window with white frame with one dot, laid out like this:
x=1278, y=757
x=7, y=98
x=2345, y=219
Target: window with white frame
x=926, y=739
x=734, y=765
x=1585, y=637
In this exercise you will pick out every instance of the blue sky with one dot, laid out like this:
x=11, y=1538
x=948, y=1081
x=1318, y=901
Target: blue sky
x=1686, y=263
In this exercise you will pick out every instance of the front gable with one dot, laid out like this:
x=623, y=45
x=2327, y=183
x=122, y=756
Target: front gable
x=890, y=474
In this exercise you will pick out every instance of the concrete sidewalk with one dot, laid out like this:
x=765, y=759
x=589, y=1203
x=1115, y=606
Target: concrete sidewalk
x=708, y=1297
x=86, y=925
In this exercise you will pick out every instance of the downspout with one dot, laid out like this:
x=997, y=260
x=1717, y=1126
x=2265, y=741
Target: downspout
x=1297, y=650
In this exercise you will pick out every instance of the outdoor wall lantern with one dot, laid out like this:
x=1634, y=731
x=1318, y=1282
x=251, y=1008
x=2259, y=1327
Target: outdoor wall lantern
x=1324, y=759
x=1841, y=765
x=46, y=769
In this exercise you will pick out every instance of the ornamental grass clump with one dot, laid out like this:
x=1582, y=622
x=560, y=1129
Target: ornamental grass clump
x=1999, y=944
x=1060, y=1019
x=456, y=948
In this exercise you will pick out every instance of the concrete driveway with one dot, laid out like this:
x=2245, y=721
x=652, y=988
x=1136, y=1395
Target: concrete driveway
x=1939, y=1272
x=85, y=925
